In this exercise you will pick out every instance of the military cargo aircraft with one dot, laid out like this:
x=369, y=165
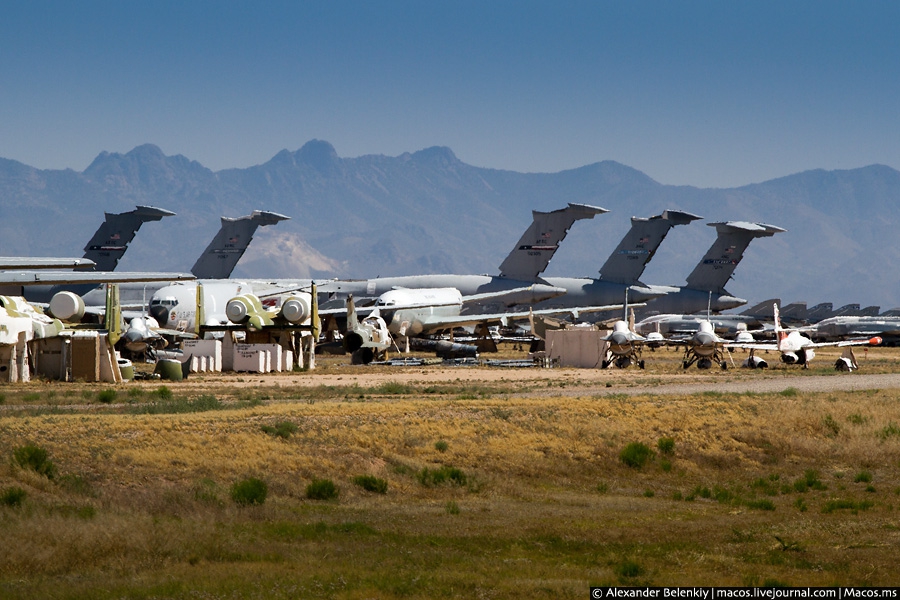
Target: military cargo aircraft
x=705, y=289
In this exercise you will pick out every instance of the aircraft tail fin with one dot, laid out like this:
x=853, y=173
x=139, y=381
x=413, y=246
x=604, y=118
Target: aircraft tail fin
x=717, y=266
x=761, y=309
x=780, y=334
x=227, y=248
x=540, y=241
x=626, y=264
x=112, y=238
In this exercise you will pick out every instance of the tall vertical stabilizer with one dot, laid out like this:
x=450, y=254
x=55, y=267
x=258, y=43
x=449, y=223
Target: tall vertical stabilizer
x=717, y=266
x=540, y=241
x=627, y=262
x=227, y=248
x=112, y=238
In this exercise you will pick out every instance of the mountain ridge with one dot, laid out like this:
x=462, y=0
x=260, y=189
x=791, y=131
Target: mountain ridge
x=428, y=211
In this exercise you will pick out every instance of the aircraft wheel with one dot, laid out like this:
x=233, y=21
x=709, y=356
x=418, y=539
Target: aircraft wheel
x=704, y=363
x=604, y=364
x=363, y=356
x=724, y=366
x=641, y=364
x=685, y=365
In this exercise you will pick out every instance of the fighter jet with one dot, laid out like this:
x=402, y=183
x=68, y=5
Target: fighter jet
x=797, y=349
x=846, y=327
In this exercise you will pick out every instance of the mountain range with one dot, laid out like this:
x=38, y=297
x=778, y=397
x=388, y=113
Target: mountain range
x=429, y=212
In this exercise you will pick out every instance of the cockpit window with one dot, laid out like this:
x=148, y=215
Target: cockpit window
x=170, y=301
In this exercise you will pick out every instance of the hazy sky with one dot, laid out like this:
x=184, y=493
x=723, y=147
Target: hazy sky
x=711, y=93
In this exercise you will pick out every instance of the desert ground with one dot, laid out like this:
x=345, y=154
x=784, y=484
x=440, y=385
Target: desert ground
x=437, y=481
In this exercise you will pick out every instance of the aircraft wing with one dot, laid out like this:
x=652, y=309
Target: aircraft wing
x=65, y=277
x=773, y=346
x=435, y=322
x=30, y=263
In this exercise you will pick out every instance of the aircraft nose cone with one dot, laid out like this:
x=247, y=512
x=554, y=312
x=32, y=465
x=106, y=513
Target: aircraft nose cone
x=160, y=313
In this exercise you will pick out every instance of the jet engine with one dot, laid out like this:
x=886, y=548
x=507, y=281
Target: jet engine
x=296, y=309
x=67, y=306
x=755, y=362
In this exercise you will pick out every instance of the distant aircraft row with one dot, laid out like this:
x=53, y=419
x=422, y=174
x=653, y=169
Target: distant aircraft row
x=479, y=298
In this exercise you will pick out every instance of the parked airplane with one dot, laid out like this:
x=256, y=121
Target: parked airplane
x=795, y=348
x=520, y=270
x=622, y=270
x=702, y=346
x=402, y=313
x=624, y=347
x=705, y=289
x=840, y=328
x=105, y=248
x=416, y=312
x=216, y=262
x=178, y=304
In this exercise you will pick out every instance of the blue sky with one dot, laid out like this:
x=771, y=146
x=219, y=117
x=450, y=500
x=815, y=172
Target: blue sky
x=713, y=94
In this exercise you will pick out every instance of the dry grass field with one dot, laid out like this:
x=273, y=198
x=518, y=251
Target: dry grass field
x=450, y=482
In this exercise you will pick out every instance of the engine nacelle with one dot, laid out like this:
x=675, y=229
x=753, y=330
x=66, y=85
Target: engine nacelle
x=296, y=309
x=755, y=362
x=240, y=308
x=67, y=306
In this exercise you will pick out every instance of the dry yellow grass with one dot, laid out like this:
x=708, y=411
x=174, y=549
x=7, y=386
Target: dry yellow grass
x=792, y=487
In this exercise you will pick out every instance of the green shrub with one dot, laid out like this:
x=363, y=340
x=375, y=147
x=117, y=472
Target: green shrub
x=890, y=431
x=12, y=496
x=441, y=446
x=35, y=458
x=444, y=474
x=628, y=569
x=452, y=508
x=833, y=505
x=206, y=491
x=370, y=483
x=249, y=491
x=666, y=445
x=863, y=477
x=831, y=425
x=284, y=429
x=810, y=480
x=106, y=396
x=764, y=504
x=321, y=489
x=636, y=455
x=76, y=484
x=394, y=388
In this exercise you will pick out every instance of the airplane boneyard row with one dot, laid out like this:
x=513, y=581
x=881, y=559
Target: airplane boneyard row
x=393, y=312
